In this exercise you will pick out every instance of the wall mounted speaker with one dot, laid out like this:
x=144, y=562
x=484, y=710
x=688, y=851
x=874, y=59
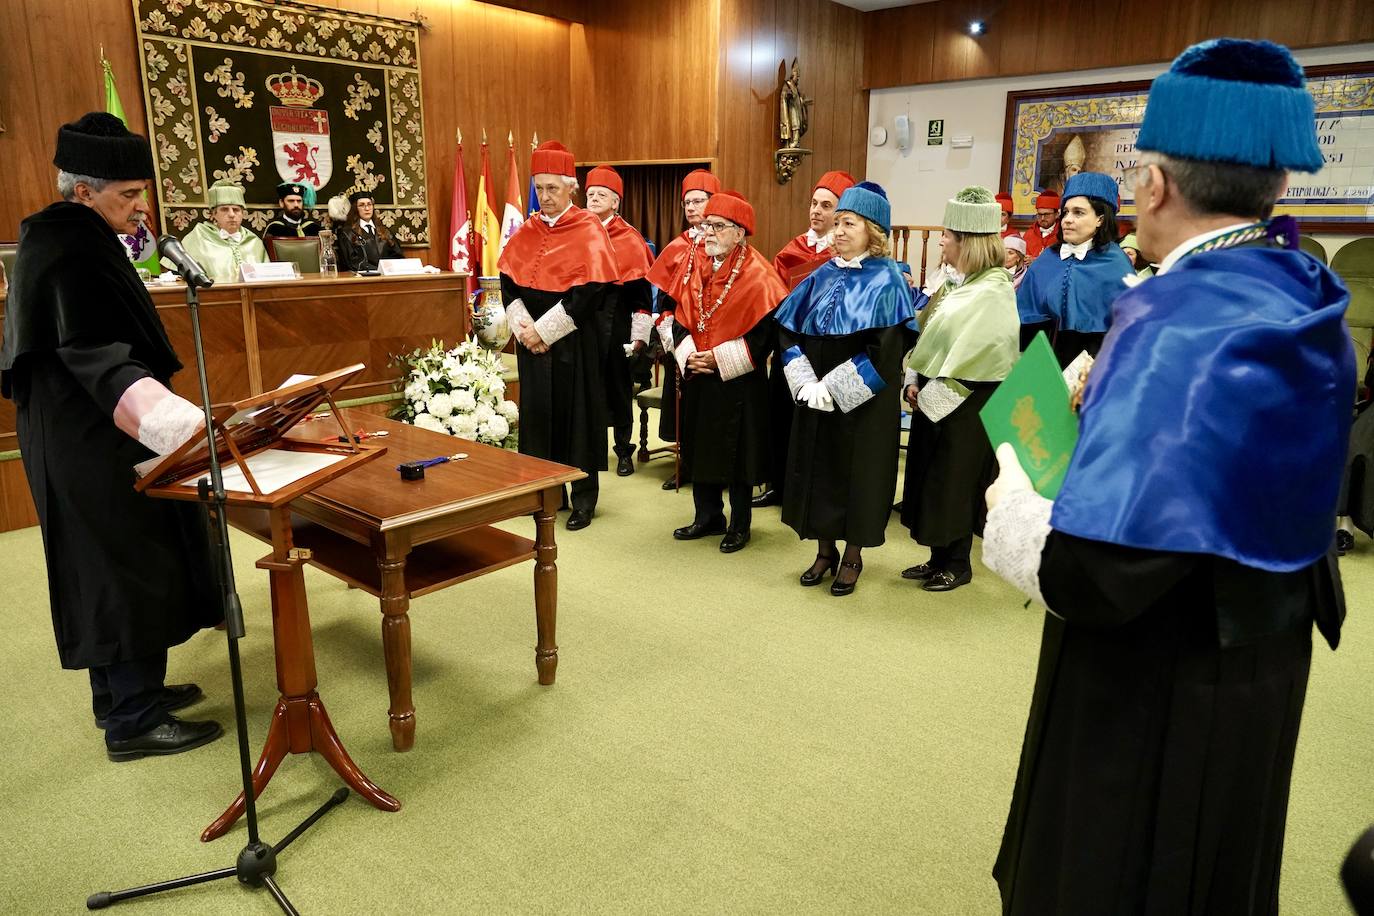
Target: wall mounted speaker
x=901, y=130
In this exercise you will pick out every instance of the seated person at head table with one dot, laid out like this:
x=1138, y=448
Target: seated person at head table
x=223, y=245
x=360, y=240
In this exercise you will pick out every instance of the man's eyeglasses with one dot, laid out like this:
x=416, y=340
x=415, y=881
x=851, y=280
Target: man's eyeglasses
x=694, y=201
x=1133, y=176
x=714, y=226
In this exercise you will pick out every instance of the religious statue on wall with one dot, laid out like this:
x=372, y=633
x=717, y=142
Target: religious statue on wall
x=793, y=122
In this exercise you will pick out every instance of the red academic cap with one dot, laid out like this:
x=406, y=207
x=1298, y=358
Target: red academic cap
x=731, y=205
x=552, y=158
x=700, y=180
x=835, y=182
x=1047, y=200
x=603, y=176
x=1005, y=200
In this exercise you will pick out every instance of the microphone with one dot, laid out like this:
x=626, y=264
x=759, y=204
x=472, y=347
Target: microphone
x=169, y=247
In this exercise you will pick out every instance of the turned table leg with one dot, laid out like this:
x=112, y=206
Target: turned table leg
x=396, y=640
x=546, y=586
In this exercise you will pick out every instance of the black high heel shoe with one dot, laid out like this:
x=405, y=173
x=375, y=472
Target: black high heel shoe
x=823, y=564
x=840, y=589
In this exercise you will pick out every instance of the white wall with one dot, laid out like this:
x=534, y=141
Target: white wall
x=920, y=179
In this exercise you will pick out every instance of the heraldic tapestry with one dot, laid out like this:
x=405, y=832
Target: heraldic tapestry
x=262, y=94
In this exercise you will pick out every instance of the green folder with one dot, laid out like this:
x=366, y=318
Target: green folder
x=1030, y=409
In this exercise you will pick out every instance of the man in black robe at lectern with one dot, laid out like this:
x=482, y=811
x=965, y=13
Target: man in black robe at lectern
x=88, y=364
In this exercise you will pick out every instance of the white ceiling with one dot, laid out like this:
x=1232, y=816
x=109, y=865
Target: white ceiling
x=867, y=5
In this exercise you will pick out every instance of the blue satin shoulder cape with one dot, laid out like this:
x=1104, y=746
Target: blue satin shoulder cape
x=1076, y=295
x=1216, y=418
x=833, y=301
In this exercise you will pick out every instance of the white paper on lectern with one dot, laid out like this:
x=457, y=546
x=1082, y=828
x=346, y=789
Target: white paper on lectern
x=273, y=469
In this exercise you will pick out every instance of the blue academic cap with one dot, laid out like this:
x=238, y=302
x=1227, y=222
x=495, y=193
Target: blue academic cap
x=1229, y=100
x=1094, y=184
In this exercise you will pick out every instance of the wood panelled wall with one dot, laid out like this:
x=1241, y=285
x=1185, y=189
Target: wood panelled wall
x=644, y=81
x=929, y=43
x=756, y=36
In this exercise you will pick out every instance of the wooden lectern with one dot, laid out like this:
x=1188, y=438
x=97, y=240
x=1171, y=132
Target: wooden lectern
x=264, y=470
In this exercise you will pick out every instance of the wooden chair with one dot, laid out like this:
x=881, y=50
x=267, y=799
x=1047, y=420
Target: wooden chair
x=305, y=253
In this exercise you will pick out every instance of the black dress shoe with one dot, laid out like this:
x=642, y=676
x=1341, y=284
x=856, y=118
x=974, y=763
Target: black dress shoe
x=625, y=466
x=171, y=737
x=1345, y=542
x=920, y=573
x=840, y=589
x=946, y=581
x=579, y=519
x=670, y=483
x=816, y=572
x=733, y=540
x=768, y=497
x=699, y=530
x=174, y=697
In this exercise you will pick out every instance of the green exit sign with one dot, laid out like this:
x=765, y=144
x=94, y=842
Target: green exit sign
x=935, y=133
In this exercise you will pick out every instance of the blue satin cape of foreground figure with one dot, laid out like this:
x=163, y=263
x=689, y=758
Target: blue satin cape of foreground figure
x=1217, y=416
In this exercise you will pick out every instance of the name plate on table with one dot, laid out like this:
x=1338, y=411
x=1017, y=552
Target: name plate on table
x=401, y=267
x=269, y=272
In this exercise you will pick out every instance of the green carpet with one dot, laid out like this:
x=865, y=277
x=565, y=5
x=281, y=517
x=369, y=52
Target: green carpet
x=720, y=740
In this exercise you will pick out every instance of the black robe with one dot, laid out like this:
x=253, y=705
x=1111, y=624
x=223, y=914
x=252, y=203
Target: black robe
x=725, y=424
x=949, y=466
x=562, y=395
x=622, y=301
x=359, y=250
x=842, y=467
x=128, y=575
x=1155, y=770
x=281, y=227
x=667, y=415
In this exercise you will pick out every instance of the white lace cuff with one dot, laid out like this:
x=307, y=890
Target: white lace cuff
x=938, y=399
x=853, y=383
x=554, y=325
x=169, y=424
x=684, y=350
x=665, y=331
x=641, y=325
x=1014, y=538
x=516, y=314
x=797, y=370
x=909, y=377
x=732, y=359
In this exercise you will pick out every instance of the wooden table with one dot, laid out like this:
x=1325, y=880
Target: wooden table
x=399, y=540
x=257, y=334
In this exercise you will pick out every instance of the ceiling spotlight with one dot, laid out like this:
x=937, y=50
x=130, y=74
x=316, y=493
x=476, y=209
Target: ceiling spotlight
x=977, y=27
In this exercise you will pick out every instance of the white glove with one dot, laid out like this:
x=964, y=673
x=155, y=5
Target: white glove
x=629, y=349
x=816, y=396
x=1010, y=477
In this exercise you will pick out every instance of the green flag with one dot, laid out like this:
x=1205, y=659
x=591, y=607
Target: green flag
x=142, y=246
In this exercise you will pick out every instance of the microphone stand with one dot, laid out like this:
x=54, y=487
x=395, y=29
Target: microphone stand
x=257, y=861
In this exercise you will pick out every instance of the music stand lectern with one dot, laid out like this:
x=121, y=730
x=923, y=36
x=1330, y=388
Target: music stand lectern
x=263, y=470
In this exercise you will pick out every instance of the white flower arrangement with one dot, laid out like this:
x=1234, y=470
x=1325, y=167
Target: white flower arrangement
x=458, y=391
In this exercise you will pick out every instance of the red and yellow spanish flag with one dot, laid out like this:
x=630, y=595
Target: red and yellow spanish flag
x=488, y=226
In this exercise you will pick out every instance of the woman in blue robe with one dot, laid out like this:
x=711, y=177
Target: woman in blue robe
x=1068, y=291
x=843, y=332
